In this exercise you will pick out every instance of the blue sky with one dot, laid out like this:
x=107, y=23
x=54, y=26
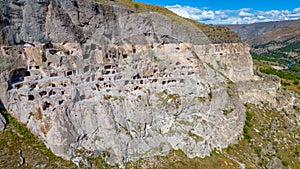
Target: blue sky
x=232, y=11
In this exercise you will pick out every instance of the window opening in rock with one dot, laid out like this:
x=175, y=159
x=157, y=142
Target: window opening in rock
x=32, y=86
x=46, y=105
x=30, y=97
x=86, y=69
x=60, y=102
x=107, y=67
x=48, y=45
x=154, y=80
x=137, y=76
x=43, y=93
x=53, y=74
x=53, y=51
x=52, y=93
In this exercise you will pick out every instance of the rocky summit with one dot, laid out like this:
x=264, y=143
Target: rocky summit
x=91, y=78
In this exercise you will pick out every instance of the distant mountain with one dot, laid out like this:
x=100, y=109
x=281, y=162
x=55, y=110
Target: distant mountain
x=280, y=36
x=250, y=31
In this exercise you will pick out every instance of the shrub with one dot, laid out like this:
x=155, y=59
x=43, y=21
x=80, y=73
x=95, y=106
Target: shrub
x=296, y=82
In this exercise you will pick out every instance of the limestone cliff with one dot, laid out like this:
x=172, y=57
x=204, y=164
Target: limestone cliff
x=88, y=78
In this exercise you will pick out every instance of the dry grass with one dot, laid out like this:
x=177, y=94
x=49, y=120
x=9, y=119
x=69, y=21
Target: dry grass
x=177, y=159
x=268, y=127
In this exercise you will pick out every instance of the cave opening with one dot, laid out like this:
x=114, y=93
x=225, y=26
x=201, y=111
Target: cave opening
x=17, y=76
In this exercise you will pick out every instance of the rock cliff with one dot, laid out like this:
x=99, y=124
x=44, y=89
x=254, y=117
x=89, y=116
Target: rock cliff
x=2, y=122
x=89, y=79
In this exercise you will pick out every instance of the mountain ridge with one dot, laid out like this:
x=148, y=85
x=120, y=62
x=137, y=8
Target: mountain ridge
x=248, y=31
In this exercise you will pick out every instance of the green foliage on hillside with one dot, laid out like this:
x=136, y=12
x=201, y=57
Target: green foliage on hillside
x=177, y=159
x=273, y=135
x=286, y=54
x=247, y=126
x=284, y=74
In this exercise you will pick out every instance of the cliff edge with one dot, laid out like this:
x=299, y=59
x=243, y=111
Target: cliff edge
x=90, y=78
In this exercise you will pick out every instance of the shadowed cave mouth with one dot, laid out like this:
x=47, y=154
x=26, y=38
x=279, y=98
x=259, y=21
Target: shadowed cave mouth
x=17, y=77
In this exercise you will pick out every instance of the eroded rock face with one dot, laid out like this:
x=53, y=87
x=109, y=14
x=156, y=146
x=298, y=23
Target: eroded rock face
x=132, y=101
x=91, y=78
x=2, y=122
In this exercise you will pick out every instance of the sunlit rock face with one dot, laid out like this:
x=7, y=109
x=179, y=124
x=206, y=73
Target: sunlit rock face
x=89, y=78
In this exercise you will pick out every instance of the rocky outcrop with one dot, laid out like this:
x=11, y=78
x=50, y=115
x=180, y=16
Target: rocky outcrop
x=257, y=92
x=2, y=122
x=91, y=78
x=36, y=21
x=130, y=101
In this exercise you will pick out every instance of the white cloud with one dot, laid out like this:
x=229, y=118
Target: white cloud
x=245, y=14
x=297, y=10
x=208, y=15
x=241, y=16
x=186, y=11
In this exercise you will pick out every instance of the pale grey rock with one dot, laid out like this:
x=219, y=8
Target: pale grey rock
x=275, y=163
x=132, y=101
x=36, y=21
x=96, y=78
x=2, y=122
x=258, y=91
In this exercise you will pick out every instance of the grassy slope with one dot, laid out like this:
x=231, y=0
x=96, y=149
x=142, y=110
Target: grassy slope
x=270, y=133
x=286, y=51
x=177, y=159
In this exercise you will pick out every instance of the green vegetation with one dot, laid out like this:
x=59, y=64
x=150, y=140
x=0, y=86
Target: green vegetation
x=262, y=57
x=107, y=97
x=272, y=134
x=281, y=73
x=17, y=137
x=165, y=98
x=285, y=57
x=226, y=112
x=177, y=159
x=247, y=126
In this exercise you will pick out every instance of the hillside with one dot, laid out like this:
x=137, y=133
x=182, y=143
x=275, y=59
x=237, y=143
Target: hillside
x=216, y=34
x=118, y=84
x=276, y=49
x=249, y=31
